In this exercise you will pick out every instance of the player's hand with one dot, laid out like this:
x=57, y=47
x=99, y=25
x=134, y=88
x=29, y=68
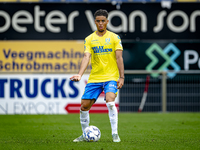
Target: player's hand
x=120, y=83
x=76, y=77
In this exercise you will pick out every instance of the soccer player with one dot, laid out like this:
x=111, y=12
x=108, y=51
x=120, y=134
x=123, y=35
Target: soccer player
x=104, y=48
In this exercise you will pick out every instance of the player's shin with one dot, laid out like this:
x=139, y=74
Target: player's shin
x=84, y=119
x=113, y=116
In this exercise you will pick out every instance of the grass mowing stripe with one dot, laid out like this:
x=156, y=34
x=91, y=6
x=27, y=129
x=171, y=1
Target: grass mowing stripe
x=137, y=131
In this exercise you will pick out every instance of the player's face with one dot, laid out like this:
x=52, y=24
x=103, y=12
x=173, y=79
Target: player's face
x=101, y=23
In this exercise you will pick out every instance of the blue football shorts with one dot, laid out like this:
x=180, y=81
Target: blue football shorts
x=93, y=90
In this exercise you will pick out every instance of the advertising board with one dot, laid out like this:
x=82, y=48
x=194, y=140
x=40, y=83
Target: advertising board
x=133, y=21
x=44, y=94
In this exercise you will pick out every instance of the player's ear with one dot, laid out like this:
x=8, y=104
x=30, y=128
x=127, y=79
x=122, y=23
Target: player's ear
x=107, y=21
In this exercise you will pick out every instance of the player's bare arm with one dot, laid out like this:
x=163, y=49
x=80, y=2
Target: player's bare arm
x=84, y=63
x=120, y=65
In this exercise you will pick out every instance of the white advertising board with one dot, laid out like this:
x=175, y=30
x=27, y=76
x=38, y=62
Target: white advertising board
x=44, y=94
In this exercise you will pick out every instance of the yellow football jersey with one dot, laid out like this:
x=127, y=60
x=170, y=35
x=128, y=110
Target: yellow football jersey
x=103, y=58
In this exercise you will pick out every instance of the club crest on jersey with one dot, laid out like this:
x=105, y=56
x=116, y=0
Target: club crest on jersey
x=107, y=40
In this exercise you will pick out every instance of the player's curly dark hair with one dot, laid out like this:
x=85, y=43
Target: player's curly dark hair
x=101, y=12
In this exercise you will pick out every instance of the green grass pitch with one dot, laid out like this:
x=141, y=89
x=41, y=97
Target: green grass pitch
x=138, y=131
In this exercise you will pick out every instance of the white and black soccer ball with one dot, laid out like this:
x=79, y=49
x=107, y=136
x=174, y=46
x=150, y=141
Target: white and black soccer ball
x=91, y=134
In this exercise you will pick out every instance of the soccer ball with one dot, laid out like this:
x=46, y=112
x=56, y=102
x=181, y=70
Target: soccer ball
x=91, y=134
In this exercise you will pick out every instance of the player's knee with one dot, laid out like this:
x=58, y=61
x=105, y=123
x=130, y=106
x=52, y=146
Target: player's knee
x=85, y=107
x=110, y=100
x=110, y=97
x=86, y=104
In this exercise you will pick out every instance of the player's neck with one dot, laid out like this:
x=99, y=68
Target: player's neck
x=101, y=33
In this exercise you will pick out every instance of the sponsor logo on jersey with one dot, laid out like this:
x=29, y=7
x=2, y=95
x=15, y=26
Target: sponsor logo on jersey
x=95, y=41
x=100, y=50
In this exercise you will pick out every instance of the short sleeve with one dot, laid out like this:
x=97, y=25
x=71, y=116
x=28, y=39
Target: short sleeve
x=118, y=43
x=87, y=47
